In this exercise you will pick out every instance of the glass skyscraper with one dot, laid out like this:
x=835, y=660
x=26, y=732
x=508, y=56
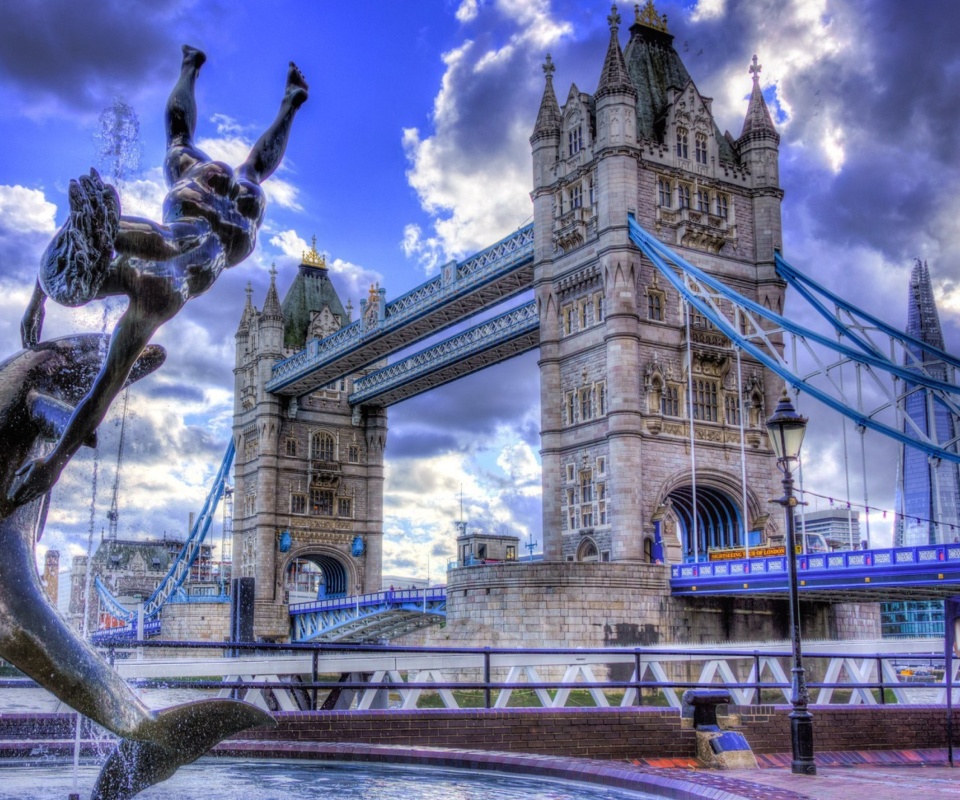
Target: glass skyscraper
x=928, y=493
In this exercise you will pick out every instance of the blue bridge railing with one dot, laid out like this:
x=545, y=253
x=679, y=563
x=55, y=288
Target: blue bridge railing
x=926, y=571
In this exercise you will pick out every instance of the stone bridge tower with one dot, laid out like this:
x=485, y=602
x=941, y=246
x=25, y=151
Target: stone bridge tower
x=308, y=503
x=623, y=366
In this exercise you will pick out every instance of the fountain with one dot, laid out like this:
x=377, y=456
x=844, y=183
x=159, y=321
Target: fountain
x=61, y=390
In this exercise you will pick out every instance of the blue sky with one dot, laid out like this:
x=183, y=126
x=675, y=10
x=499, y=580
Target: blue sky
x=413, y=149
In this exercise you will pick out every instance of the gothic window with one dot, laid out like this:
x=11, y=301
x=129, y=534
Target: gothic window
x=670, y=401
x=575, y=140
x=601, y=465
x=703, y=201
x=353, y=454
x=586, y=486
x=601, y=491
x=567, y=314
x=682, y=142
x=648, y=549
x=701, y=148
x=569, y=408
x=655, y=306
x=570, y=497
x=705, y=400
x=683, y=196
x=586, y=517
x=593, y=196
x=344, y=507
x=572, y=518
x=559, y=204
x=323, y=446
x=249, y=505
x=582, y=314
x=586, y=405
x=731, y=405
x=698, y=320
x=601, y=392
x=321, y=502
x=664, y=193
x=722, y=209
x=298, y=504
x=290, y=447
x=598, y=308
x=576, y=196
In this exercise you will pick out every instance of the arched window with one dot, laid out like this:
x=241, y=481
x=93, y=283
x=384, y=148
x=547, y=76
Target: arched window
x=648, y=549
x=322, y=446
x=701, y=143
x=682, y=143
x=588, y=551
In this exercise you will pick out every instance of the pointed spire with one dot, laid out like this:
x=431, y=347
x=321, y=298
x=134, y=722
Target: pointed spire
x=614, y=79
x=249, y=312
x=548, y=118
x=271, y=305
x=758, y=122
x=923, y=321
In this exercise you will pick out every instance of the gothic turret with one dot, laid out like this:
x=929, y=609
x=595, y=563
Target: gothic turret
x=311, y=308
x=613, y=77
x=546, y=132
x=271, y=320
x=759, y=149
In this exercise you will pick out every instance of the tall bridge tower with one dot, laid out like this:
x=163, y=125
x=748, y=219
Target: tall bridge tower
x=623, y=366
x=308, y=505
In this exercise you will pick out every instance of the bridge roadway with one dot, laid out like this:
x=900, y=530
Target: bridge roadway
x=930, y=572
x=460, y=290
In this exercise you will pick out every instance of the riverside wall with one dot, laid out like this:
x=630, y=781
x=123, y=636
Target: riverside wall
x=570, y=604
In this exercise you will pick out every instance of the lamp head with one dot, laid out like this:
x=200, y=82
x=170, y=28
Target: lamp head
x=785, y=429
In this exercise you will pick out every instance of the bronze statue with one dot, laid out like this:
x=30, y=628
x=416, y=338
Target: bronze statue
x=211, y=216
x=61, y=390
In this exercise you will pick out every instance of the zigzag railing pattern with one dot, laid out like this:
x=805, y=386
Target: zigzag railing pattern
x=180, y=568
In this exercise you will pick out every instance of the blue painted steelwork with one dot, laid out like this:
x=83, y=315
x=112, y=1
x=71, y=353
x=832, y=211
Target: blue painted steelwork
x=491, y=276
x=857, y=575
x=705, y=294
x=368, y=617
x=483, y=345
x=180, y=567
x=126, y=633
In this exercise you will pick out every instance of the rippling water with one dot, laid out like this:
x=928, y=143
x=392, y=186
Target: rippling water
x=233, y=779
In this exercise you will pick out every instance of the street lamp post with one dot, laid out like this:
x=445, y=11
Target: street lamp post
x=786, y=428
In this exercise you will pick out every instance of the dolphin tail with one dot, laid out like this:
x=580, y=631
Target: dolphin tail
x=179, y=735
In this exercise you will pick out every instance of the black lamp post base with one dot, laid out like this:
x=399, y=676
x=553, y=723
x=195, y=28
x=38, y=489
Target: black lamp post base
x=801, y=737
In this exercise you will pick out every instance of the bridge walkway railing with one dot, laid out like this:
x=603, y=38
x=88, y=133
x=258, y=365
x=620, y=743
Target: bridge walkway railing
x=310, y=676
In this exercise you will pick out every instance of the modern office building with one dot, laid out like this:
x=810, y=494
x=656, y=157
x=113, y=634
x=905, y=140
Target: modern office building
x=839, y=526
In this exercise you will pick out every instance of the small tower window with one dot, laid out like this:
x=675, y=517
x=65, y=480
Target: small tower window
x=291, y=447
x=732, y=407
x=670, y=401
x=722, y=210
x=593, y=198
x=655, y=306
x=701, y=148
x=575, y=140
x=576, y=196
x=703, y=201
x=663, y=190
x=586, y=404
x=683, y=196
x=598, y=308
x=682, y=143
x=323, y=446
x=354, y=454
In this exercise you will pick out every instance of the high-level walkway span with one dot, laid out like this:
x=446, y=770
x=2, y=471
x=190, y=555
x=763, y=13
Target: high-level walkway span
x=461, y=290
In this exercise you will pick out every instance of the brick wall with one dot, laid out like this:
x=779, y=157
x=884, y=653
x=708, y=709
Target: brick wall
x=582, y=733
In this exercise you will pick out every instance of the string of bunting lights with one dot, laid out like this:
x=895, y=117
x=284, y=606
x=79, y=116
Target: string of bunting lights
x=848, y=504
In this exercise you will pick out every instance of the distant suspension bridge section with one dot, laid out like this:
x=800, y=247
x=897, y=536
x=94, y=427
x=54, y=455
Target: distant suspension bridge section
x=368, y=617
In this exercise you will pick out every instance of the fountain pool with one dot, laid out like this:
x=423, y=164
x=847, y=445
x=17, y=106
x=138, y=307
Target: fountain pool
x=234, y=778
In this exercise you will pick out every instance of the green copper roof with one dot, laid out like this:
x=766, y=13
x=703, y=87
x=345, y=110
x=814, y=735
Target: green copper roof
x=310, y=293
x=654, y=67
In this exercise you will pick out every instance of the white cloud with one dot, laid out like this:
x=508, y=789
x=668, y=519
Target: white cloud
x=467, y=11
x=24, y=210
x=708, y=9
x=471, y=173
x=234, y=149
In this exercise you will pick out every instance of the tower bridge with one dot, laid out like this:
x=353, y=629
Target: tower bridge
x=655, y=260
